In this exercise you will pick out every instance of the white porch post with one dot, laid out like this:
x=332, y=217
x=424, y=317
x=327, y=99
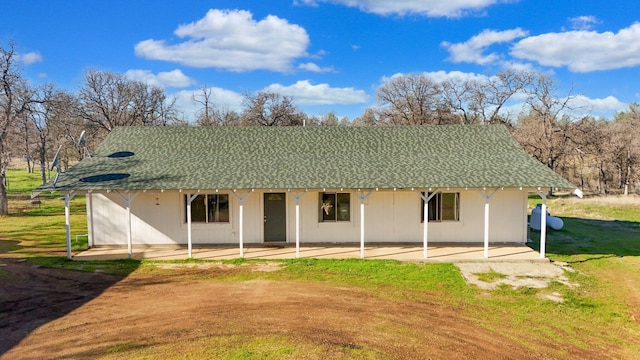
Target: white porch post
x=297, y=228
x=487, y=198
x=363, y=197
x=486, y=228
x=190, y=198
x=362, y=229
x=128, y=198
x=297, y=197
x=543, y=225
x=241, y=199
x=425, y=220
x=241, y=225
x=90, y=220
x=129, y=235
x=67, y=221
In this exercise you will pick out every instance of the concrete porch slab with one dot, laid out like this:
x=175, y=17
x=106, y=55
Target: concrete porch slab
x=436, y=253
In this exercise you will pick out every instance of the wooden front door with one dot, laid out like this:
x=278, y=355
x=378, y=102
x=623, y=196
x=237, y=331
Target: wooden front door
x=275, y=217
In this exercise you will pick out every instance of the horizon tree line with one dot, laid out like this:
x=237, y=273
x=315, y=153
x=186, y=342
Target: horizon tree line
x=598, y=155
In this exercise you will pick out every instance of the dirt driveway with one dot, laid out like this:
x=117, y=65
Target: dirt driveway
x=50, y=313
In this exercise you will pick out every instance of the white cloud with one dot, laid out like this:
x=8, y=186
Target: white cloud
x=578, y=106
x=222, y=98
x=232, y=40
x=583, y=51
x=305, y=93
x=30, y=58
x=598, y=107
x=471, y=51
x=318, y=55
x=315, y=68
x=174, y=78
x=521, y=66
x=583, y=22
x=441, y=76
x=430, y=8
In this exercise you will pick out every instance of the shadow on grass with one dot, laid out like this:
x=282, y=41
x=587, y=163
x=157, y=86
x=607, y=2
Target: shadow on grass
x=596, y=239
x=46, y=288
x=31, y=211
x=38, y=284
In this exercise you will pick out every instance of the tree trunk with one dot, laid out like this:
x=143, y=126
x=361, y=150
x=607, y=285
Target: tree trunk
x=4, y=204
x=28, y=164
x=43, y=169
x=626, y=181
x=26, y=146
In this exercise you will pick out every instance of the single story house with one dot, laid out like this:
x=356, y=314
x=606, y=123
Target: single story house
x=342, y=184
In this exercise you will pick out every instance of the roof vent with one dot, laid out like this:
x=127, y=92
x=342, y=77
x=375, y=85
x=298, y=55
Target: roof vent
x=104, y=177
x=121, y=154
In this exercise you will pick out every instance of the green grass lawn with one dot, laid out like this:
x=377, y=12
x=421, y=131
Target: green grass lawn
x=38, y=228
x=601, y=242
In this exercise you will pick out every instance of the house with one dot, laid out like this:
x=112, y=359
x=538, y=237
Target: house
x=261, y=185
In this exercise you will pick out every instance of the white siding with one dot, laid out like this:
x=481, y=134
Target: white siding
x=390, y=217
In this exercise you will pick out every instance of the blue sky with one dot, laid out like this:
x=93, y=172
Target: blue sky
x=329, y=55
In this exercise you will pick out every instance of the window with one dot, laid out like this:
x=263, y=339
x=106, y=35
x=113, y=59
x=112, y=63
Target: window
x=335, y=207
x=442, y=207
x=212, y=208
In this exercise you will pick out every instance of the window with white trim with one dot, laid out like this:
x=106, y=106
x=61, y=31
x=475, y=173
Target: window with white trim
x=442, y=207
x=334, y=207
x=209, y=208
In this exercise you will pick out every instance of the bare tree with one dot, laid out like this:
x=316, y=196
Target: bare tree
x=546, y=130
x=50, y=114
x=489, y=98
x=369, y=118
x=23, y=129
x=458, y=95
x=412, y=99
x=68, y=124
x=481, y=101
x=270, y=109
x=227, y=117
x=330, y=119
x=417, y=99
x=548, y=109
x=212, y=115
x=40, y=116
x=204, y=116
x=591, y=140
x=109, y=99
x=626, y=137
x=15, y=96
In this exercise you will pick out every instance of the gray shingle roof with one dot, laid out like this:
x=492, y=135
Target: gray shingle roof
x=308, y=157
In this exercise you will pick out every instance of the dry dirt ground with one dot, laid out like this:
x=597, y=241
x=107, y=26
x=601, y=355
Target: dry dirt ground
x=52, y=313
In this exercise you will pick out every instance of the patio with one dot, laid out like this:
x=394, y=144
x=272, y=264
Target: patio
x=408, y=252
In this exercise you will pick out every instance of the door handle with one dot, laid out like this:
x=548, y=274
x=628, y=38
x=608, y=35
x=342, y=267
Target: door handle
x=265, y=218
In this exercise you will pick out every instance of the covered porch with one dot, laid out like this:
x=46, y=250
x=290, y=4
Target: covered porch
x=408, y=252
x=420, y=248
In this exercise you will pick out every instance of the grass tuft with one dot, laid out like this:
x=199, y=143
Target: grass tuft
x=490, y=276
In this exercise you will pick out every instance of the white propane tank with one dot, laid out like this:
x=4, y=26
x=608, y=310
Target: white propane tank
x=553, y=222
